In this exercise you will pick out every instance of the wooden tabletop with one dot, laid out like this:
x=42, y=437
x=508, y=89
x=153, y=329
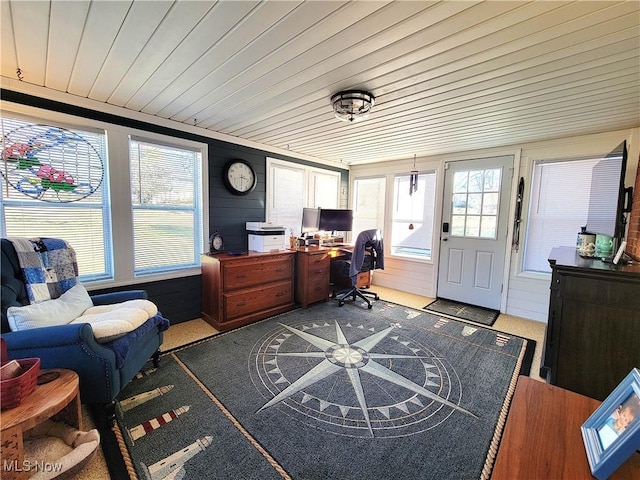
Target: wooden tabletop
x=47, y=400
x=542, y=437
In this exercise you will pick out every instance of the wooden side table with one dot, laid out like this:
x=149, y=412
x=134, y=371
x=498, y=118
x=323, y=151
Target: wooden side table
x=542, y=437
x=59, y=399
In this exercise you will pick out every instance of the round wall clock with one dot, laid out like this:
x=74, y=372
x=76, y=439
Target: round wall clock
x=215, y=243
x=239, y=177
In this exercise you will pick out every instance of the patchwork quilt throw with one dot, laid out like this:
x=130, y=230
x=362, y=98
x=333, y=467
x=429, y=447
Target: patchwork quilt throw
x=49, y=266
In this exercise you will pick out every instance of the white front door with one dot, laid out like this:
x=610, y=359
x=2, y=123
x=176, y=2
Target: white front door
x=473, y=235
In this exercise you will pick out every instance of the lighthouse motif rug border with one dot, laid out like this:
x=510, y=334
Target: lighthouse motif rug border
x=326, y=393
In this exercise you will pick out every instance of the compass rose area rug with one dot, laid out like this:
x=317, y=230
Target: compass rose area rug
x=326, y=392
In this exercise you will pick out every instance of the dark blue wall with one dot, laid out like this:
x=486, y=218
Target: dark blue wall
x=179, y=299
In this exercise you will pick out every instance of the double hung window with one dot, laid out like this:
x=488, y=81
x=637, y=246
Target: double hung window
x=167, y=219
x=413, y=215
x=368, y=204
x=145, y=219
x=558, y=207
x=55, y=184
x=291, y=187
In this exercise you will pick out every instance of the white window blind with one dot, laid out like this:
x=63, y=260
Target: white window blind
x=166, y=207
x=324, y=188
x=291, y=187
x=559, y=206
x=55, y=185
x=368, y=204
x=412, y=222
x=286, y=194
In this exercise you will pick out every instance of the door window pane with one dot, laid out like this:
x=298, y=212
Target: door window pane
x=475, y=203
x=457, y=225
x=490, y=204
x=472, y=227
x=488, y=226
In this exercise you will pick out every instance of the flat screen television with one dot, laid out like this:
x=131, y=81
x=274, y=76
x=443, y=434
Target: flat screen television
x=607, y=206
x=335, y=220
x=310, y=220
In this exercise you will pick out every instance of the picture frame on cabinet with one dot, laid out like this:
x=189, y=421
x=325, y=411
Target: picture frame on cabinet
x=612, y=433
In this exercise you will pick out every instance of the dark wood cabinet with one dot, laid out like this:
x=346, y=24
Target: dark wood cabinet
x=593, y=331
x=240, y=289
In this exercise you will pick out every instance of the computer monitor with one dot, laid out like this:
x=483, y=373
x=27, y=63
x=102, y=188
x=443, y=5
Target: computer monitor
x=310, y=220
x=335, y=220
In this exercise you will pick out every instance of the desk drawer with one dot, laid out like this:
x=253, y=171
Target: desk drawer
x=318, y=288
x=256, y=299
x=318, y=260
x=319, y=270
x=243, y=275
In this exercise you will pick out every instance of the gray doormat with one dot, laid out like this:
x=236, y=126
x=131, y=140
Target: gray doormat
x=482, y=315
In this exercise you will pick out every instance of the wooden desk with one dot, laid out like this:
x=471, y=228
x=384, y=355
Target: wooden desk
x=542, y=438
x=59, y=398
x=313, y=273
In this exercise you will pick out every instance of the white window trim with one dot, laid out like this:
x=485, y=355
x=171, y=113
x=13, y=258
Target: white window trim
x=526, y=211
x=389, y=209
x=199, y=194
x=120, y=188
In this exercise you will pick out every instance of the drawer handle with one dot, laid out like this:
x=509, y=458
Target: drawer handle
x=241, y=304
x=280, y=294
x=278, y=270
x=241, y=276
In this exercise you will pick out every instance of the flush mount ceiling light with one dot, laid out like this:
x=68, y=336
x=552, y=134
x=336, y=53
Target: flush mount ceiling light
x=352, y=105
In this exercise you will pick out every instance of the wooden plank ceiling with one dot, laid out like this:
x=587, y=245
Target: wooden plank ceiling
x=447, y=76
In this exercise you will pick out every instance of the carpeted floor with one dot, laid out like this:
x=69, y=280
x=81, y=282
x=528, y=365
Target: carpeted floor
x=186, y=332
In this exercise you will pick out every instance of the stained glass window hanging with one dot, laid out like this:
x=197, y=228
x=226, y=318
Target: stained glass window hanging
x=50, y=163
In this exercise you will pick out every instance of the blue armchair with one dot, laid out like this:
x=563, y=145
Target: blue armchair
x=104, y=369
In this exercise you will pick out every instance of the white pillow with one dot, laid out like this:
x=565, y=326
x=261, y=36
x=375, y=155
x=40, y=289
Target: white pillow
x=108, y=325
x=137, y=303
x=60, y=311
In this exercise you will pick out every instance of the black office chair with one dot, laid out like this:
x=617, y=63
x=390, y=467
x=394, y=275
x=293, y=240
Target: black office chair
x=367, y=255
